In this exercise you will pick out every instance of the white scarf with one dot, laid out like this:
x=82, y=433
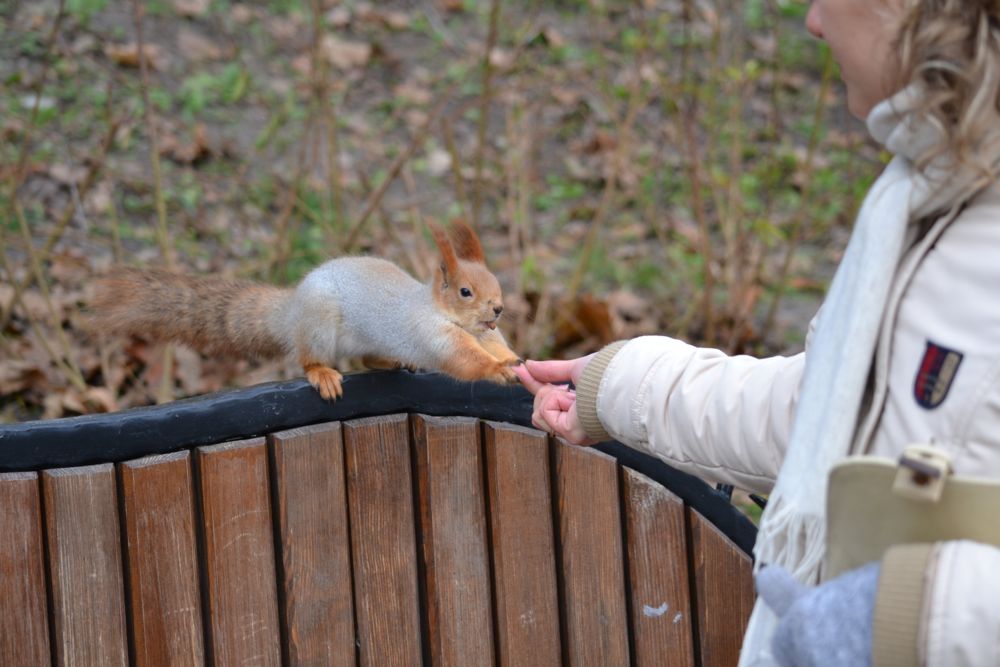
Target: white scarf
x=793, y=531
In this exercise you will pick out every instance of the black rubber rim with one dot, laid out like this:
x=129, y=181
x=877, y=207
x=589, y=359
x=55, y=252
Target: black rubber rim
x=266, y=408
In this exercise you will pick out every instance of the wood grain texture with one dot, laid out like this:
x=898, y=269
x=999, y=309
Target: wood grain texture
x=380, y=499
x=724, y=592
x=593, y=564
x=656, y=545
x=453, y=524
x=523, y=546
x=85, y=565
x=24, y=638
x=314, y=544
x=241, y=594
x=162, y=560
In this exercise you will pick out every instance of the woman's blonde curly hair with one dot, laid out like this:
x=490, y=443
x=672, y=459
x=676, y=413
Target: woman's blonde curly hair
x=952, y=47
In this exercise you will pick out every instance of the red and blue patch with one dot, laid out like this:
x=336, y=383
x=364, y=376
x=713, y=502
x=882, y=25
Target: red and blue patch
x=935, y=375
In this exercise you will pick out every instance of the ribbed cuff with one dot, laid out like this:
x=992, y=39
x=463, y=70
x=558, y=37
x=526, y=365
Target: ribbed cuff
x=898, y=605
x=586, y=390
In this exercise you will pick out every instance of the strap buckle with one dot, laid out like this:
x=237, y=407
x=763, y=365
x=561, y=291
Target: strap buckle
x=922, y=472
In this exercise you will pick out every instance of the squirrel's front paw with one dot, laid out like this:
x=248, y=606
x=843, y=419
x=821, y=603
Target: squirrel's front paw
x=505, y=375
x=326, y=380
x=511, y=360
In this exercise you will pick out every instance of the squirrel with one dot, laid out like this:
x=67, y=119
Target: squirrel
x=348, y=307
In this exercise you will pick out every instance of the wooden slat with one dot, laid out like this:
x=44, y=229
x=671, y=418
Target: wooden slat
x=380, y=499
x=593, y=566
x=724, y=592
x=241, y=594
x=453, y=524
x=658, y=574
x=24, y=623
x=311, y=507
x=524, y=563
x=85, y=566
x=162, y=560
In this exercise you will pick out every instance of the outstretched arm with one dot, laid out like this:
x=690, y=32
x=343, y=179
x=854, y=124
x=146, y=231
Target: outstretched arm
x=724, y=418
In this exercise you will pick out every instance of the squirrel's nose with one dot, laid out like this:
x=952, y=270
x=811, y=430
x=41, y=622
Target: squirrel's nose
x=498, y=310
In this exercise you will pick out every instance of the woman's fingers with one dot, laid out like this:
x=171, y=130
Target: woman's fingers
x=554, y=371
x=526, y=378
x=555, y=413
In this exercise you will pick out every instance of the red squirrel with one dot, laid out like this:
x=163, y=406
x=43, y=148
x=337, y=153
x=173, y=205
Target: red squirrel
x=349, y=307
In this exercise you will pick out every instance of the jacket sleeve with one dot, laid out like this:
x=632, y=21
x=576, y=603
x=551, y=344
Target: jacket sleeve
x=724, y=418
x=938, y=605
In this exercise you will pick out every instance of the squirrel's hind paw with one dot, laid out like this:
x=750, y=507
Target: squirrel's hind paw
x=326, y=380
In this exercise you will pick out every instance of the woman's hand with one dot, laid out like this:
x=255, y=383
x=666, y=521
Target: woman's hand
x=555, y=404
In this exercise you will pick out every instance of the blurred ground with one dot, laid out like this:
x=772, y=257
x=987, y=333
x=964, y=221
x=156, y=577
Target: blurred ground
x=664, y=166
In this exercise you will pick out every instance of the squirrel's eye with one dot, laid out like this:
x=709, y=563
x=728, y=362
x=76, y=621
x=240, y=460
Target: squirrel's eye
x=466, y=292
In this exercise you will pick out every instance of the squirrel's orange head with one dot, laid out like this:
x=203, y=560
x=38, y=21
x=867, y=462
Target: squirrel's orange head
x=463, y=287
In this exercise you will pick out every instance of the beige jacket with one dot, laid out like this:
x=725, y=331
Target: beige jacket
x=936, y=377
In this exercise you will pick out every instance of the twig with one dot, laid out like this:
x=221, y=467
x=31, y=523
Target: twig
x=611, y=179
x=277, y=263
x=333, y=205
x=372, y=203
x=484, y=110
x=22, y=162
x=162, y=234
x=64, y=218
x=448, y=136
x=165, y=391
x=796, y=232
x=65, y=362
x=695, y=175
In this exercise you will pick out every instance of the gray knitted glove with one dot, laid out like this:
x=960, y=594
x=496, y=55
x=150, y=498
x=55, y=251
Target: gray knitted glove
x=822, y=626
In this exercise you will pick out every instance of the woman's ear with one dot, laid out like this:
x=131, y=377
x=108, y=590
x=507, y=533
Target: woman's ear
x=467, y=245
x=449, y=261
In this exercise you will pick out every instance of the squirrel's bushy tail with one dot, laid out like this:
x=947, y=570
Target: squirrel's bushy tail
x=217, y=316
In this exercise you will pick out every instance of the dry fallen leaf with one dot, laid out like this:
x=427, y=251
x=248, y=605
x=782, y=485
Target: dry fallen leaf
x=553, y=37
x=67, y=174
x=187, y=152
x=345, y=54
x=242, y=14
x=438, y=162
x=191, y=8
x=127, y=55
x=414, y=93
x=197, y=47
x=587, y=319
x=339, y=17
x=17, y=375
x=187, y=369
x=396, y=20
x=501, y=58
x=100, y=399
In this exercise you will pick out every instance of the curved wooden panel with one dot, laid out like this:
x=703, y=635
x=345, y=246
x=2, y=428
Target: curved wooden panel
x=724, y=590
x=380, y=500
x=162, y=560
x=658, y=573
x=593, y=567
x=24, y=640
x=241, y=594
x=311, y=508
x=524, y=567
x=85, y=566
x=453, y=525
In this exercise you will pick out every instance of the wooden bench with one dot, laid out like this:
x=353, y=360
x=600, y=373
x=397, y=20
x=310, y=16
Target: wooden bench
x=365, y=532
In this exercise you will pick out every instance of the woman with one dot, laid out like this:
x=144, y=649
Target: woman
x=906, y=348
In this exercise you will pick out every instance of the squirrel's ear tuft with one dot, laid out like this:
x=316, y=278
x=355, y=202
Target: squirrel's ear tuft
x=466, y=242
x=449, y=262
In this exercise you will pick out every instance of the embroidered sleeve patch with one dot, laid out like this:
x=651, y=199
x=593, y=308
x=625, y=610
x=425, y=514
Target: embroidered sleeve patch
x=936, y=373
